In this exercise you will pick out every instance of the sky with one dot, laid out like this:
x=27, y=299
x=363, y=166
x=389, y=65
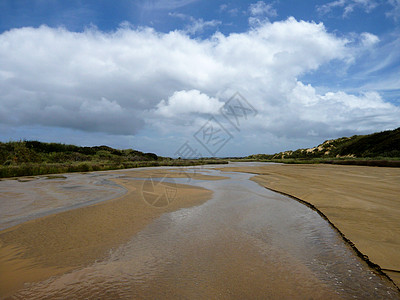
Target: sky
x=197, y=78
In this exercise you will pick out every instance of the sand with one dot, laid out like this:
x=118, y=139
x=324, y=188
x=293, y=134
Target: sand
x=362, y=202
x=55, y=244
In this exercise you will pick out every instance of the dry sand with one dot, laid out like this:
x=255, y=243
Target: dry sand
x=362, y=202
x=55, y=244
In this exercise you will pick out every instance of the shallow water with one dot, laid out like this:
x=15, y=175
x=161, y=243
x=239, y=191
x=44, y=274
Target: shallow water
x=30, y=198
x=246, y=242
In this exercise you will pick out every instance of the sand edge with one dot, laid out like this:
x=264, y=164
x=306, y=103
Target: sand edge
x=364, y=257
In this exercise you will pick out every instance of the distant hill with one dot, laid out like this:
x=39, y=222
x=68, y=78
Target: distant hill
x=384, y=144
x=30, y=158
x=37, y=152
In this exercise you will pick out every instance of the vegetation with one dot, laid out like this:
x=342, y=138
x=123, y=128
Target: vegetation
x=28, y=158
x=377, y=149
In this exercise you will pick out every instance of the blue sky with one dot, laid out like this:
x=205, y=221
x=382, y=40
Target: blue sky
x=149, y=74
x=107, y=15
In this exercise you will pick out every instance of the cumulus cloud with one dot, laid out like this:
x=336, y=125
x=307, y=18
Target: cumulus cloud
x=188, y=102
x=135, y=79
x=335, y=111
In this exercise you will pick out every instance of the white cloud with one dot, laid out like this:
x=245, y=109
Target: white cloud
x=261, y=8
x=195, y=25
x=375, y=68
x=260, y=12
x=134, y=80
x=188, y=102
x=368, y=39
x=198, y=25
x=348, y=6
x=368, y=6
x=338, y=106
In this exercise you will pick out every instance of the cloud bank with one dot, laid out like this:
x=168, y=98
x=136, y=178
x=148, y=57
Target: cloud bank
x=136, y=79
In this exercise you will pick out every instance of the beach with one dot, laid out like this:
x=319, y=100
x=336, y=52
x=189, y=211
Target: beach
x=362, y=202
x=179, y=232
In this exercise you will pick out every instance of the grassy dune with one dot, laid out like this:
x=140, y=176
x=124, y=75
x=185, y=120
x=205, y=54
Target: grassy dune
x=29, y=158
x=380, y=149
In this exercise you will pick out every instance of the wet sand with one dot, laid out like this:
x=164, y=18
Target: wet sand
x=246, y=242
x=183, y=234
x=55, y=244
x=27, y=198
x=362, y=202
x=196, y=173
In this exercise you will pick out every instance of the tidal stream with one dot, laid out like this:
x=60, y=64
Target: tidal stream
x=245, y=243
